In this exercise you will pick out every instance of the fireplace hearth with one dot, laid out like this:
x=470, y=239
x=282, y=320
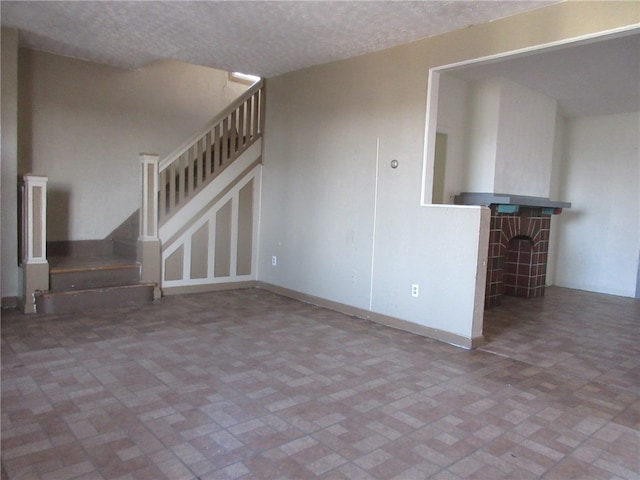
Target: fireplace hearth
x=518, y=243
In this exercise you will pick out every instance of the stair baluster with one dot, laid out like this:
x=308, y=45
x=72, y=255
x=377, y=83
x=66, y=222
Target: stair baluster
x=198, y=161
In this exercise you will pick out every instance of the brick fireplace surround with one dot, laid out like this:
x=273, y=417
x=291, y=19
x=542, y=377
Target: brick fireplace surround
x=518, y=249
x=518, y=243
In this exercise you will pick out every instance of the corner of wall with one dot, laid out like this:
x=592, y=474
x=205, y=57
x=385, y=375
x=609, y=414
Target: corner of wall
x=9, y=165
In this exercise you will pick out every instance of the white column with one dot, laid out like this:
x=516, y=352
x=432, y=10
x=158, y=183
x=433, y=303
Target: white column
x=34, y=239
x=149, y=196
x=148, y=246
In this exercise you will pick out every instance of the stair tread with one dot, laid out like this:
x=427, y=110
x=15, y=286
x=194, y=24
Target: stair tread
x=76, y=264
x=92, y=268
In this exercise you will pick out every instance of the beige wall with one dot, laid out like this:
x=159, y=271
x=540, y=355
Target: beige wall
x=9, y=280
x=83, y=125
x=343, y=224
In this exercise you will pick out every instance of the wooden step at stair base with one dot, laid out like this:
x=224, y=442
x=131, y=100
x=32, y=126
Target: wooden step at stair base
x=96, y=298
x=96, y=276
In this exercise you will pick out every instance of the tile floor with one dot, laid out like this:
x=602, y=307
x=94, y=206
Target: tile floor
x=250, y=385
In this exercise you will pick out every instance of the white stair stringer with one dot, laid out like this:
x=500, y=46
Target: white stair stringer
x=213, y=239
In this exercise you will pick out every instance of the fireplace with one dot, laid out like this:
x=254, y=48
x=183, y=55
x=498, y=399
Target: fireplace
x=518, y=243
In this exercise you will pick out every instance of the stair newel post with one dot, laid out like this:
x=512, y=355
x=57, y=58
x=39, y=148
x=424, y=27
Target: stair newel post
x=148, y=241
x=35, y=267
x=263, y=105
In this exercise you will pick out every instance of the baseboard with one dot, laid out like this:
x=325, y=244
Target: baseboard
x=211, y=287
x=434, y=333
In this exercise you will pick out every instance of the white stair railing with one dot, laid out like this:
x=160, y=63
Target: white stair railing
x=170, y=183
x=189, y=168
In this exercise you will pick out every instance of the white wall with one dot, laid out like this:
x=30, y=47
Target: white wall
x=509, y=152
x=598, y=239
x=320, y=182
x=484, y=118
x=83, y=125
x=557, y=174
x=454, y=98
x=525, y=142
x=9, y=165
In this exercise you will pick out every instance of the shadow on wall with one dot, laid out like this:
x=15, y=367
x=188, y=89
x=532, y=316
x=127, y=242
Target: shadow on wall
x=58, y=205
x=25, y=115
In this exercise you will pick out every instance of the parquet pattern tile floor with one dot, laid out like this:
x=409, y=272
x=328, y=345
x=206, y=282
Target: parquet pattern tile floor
x=247, y=384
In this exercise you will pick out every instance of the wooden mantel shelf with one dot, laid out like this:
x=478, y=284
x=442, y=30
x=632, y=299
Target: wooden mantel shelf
x=475, y=198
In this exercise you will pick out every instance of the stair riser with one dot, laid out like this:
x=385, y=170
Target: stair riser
x=88, y=300
x=81, y=280
x=78, y=248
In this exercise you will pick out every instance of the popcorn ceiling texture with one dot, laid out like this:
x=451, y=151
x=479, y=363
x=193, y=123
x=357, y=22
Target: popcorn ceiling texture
x=265, y=38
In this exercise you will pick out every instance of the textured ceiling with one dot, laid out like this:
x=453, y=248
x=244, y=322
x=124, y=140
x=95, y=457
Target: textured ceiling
x=265, y=38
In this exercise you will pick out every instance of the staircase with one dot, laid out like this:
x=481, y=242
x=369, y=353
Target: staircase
x=195, y=229
x=90, y=275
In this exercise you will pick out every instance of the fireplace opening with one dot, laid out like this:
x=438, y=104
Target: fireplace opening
x=518, y=267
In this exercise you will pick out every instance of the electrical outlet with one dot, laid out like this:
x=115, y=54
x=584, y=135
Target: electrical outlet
x=274, y=260
x=354, y=277
x=415, y=290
